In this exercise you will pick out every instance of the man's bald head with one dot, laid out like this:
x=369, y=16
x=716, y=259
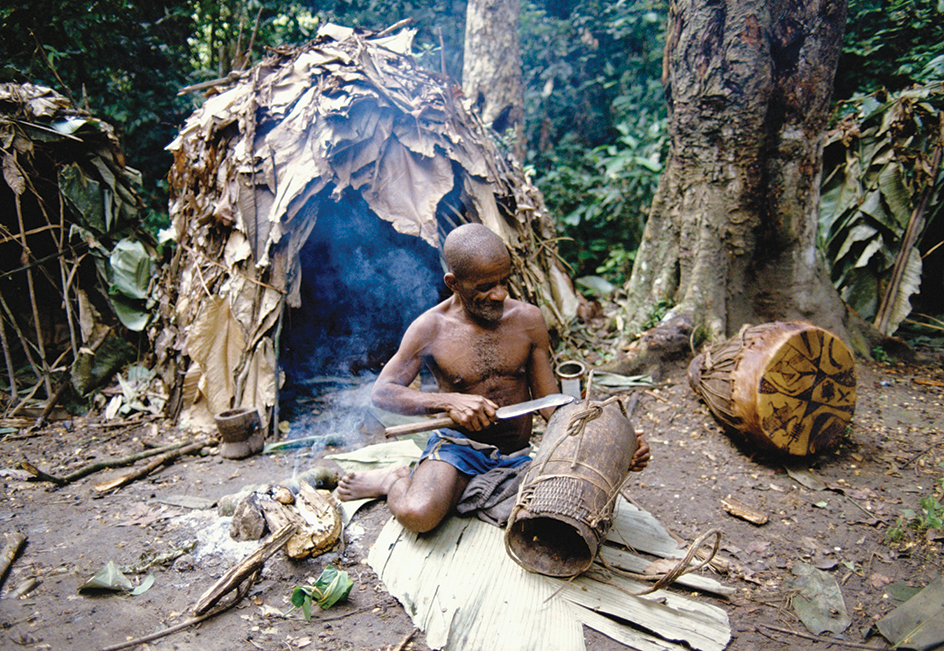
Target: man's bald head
x=469, y=245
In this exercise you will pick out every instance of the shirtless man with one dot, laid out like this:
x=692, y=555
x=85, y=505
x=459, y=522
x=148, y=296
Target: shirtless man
x=485, y=350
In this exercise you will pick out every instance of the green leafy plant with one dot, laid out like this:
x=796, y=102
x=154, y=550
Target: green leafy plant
x=891, y=44
x=595, y=122
x=880, y=356
x=929, y=516
x=656, y=312
x=881, y=190
x=331, y=587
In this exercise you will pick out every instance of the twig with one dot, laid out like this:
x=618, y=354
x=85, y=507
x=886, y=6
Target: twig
x=27, y=254
x=395, y=27
x=100, y=465
x=65, y=382
x=656, y=395
x=144, y=471
x=39, y=475
x=406, y=640
x=182, y=625
x=232, y=77
x=819, y=638
x=10, y=550
x=42, y=51
x=246, y=567
x=362, y=609
x=11, y=374
x=24, y=342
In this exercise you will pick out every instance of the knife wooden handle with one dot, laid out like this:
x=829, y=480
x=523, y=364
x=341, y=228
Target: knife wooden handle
x=441, y=420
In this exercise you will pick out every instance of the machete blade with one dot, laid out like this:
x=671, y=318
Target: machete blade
x=522, y=408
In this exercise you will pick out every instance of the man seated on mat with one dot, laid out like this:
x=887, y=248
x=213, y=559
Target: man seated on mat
x=485, y=350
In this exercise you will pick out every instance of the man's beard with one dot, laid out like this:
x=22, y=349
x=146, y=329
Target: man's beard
x=489, y=311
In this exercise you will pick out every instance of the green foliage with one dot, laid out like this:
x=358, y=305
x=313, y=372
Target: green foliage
x=877, y=165
x=124, y=61
x=656, y=313
x=880, y=356
x=930, y=515
x=595, y=115
x=891, y=44
x=331, y=587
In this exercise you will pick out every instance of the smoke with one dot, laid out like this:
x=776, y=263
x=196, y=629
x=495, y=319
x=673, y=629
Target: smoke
x=362, y=285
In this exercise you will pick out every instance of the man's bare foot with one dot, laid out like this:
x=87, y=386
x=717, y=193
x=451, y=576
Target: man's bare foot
x=370, y=483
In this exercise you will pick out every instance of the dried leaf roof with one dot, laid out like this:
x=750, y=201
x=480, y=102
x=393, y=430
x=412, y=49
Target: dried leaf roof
x=349, y=112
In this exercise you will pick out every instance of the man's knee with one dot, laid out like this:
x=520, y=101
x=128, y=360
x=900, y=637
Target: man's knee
x=418, y=517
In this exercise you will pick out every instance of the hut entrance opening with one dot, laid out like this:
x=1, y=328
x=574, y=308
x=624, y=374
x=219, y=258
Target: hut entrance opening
x=362, y=284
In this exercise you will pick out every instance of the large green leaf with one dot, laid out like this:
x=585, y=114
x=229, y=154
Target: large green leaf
x=90, y=370
x=870, y=249
x=861, y=232
x=108, y=578
x=896, y=194
x=132, y=313
x=131, y=269
x=859, y=289
x=909, y=286
x=84, y=197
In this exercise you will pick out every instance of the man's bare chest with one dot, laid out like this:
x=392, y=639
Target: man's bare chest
x=467, y=359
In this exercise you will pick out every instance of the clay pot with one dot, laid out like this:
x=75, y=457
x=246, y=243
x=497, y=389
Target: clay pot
x=241, y=432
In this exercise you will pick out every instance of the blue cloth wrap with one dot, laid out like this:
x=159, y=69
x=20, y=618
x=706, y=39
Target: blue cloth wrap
x=468, y=456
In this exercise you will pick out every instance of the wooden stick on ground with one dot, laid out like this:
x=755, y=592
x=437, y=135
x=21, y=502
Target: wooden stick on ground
x=10, y=549
x=406, y=639
x=182, y=625
x=232, y=579
x=100, y=465
x=819, y=638
x=246, y=567
x=144, y=471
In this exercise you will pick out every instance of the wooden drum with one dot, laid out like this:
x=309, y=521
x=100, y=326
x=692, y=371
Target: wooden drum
x=790, y=387
x=565, y=501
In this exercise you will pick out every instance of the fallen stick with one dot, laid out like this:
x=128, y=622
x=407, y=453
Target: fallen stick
x=246, y=567
x=144, y=471
x=820, y=638
x=182, y=625
x=95, y=467
x=10, y=549
x=406, y=639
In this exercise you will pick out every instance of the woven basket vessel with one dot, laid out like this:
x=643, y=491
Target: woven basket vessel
x=565, y=501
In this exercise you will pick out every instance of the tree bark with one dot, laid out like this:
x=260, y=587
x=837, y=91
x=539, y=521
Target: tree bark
x=492, y=78
x=731, y=237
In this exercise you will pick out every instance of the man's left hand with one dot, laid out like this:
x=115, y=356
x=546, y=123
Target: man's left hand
x=641, y=457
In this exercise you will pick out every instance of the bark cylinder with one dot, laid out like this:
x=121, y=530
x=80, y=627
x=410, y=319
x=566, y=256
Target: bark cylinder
x=565, y=502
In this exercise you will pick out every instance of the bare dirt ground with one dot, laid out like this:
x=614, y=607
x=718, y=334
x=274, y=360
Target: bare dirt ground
x=890, y=460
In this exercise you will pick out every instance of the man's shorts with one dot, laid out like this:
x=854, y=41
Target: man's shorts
x=470, y=457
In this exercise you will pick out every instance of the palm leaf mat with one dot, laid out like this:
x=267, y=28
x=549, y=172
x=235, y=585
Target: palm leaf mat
x=461, y=588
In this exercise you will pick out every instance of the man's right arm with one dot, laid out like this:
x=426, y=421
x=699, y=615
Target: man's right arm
x=392, y=389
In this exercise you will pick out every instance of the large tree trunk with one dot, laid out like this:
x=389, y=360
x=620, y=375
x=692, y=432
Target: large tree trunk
x=731, y=238
x=491, y=70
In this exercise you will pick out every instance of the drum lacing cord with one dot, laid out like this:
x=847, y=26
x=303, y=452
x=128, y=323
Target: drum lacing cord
x=714, y=398
x=576, y=426
x=578, y=422
x=684, y=566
